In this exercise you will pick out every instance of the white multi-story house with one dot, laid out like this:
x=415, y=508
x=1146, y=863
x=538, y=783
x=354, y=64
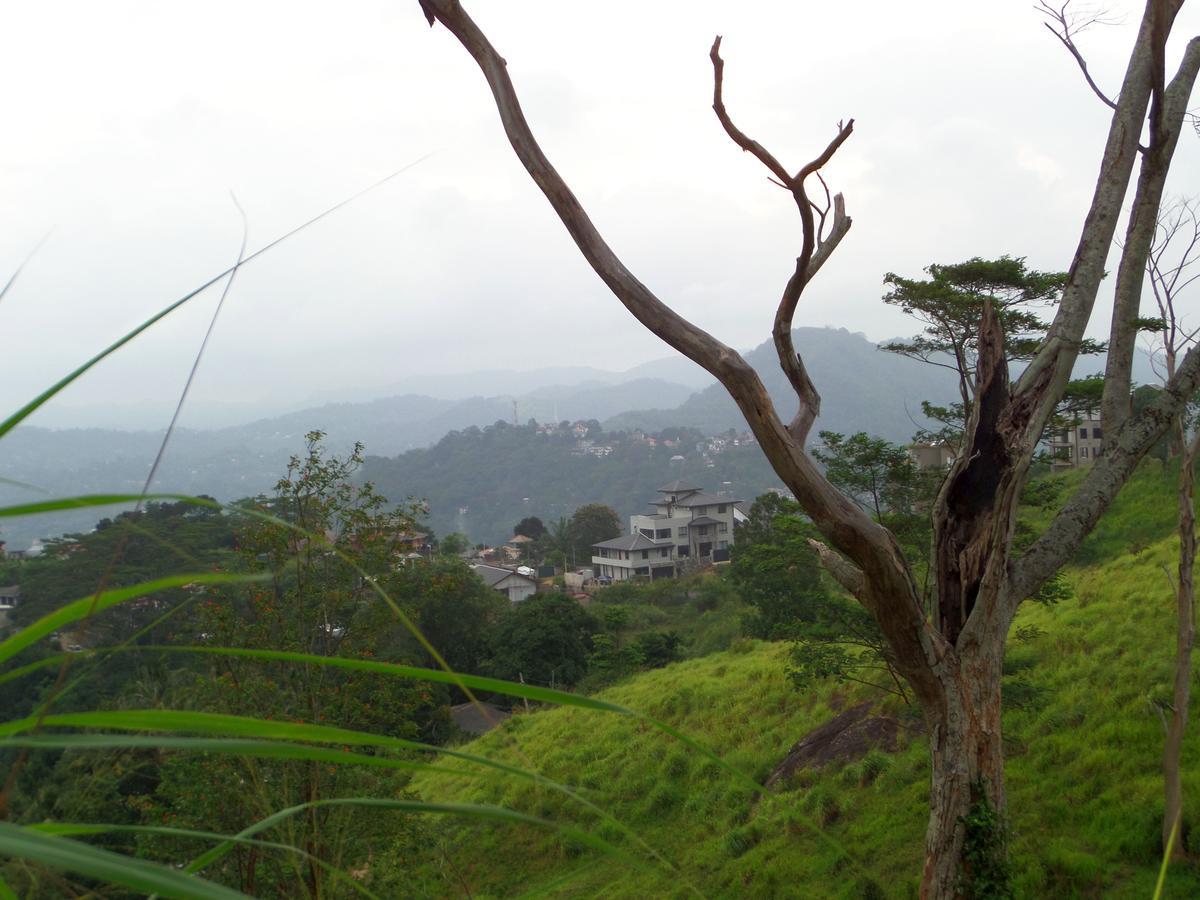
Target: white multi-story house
x=686, y=523
x=1078, y=444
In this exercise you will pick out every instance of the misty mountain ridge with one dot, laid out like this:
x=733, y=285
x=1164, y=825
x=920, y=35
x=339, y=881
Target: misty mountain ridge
x=862, y=388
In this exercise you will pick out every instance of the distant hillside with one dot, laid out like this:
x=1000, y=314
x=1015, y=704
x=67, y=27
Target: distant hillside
x=243, y=460
x=498, y=475
x=862, y=389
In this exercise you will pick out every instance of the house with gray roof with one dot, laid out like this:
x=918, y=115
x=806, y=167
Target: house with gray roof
x=686, y=523
x=515, y=584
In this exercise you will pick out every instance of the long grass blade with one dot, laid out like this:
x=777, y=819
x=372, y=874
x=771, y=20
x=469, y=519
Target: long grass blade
x=176, y=721
x=85, y=500
x=470, y=810
x=6, y=893
x=85, y=606
x=1166, y=860
x=234, y=746
x=33, y=405
x=22, y=671
x=512, y=689
x=68, y=829
x=94, y=862
x=12, y=279
x=478, y=682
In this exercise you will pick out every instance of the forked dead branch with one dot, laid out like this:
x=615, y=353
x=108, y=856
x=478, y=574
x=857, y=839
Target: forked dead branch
x=952, y=653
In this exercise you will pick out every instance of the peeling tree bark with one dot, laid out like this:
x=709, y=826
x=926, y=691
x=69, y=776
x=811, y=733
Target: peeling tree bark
x=953, y=663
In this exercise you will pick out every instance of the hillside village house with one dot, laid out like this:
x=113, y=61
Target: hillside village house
x=1077, y=444
x=513, y=583
x=686, y=523
x=932, y=455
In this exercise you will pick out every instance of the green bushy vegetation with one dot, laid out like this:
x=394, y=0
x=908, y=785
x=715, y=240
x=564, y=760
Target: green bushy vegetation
x=1083, y=772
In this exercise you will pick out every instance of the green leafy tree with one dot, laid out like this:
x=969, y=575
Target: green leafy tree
x=591, y=524
x=546, y=639
x=775, y=569
x=453, y=609
x=950, y=303
x=531, y=527
x=777, y=572
x=454, y=544
x=322, y=600
x=880, y=476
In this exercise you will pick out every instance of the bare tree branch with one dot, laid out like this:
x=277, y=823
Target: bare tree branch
x=791, y=362
x=1065, y=27
x=845, y=573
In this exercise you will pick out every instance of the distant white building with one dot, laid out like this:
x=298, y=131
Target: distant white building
x=687, y=523
x=1079, y=444
x=932, y=455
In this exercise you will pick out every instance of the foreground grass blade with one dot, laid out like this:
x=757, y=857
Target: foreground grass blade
x=1166, y=860
x=6, y=893
x=32, y=406
x=478, y=682
x=512, y=689
x=82, y=829
x=21, y=672
x=419, y=673
x=470, y=810
x=93, y=862
x=86, y=606
x=233, y=746
x=169, y=720
x=260, y=729
x=86, y=500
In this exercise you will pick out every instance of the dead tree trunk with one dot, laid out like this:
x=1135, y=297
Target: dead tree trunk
x=953, y=661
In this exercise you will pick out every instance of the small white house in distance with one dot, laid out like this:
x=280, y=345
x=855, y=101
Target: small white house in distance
x=1078, y=444
x=516, y=584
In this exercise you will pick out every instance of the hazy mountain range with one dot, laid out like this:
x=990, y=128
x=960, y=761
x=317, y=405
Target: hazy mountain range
x=862, y=389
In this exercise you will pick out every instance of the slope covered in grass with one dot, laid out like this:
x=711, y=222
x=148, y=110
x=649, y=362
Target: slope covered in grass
x=1084, y=781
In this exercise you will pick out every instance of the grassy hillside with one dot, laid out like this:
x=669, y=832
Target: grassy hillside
x=1083, y=769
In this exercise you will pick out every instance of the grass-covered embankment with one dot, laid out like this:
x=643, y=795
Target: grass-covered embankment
x=1084, y=744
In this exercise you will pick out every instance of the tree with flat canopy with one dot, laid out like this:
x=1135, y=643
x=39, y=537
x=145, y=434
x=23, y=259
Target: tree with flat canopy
x=951, y=654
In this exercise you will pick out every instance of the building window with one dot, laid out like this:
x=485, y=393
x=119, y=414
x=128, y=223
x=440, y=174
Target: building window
x=1096, y=433
x=1083, y=432
x=722, y=545
x=721, y=508
x=703, y=530
x=648, y=532
x=663, y=533
x=665, y=551
x=1083, y=452
x=699, y=510
x=722, y=527
x=683, y=531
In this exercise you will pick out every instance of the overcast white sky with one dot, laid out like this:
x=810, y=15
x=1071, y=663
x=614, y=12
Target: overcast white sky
x=128, y=123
